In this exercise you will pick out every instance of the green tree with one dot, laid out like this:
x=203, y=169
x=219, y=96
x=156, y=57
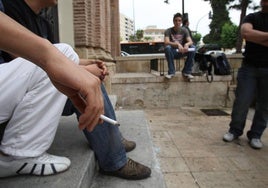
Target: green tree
x=147, y=38
x=196, y=37
x=219, y=17
x=241, y=5
x=132, y=38
x=137, y=37
x=139, y=34
x=229, y=35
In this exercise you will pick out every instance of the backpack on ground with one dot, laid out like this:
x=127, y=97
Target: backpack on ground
x=221, y=64
x=203, y=61
x=204, y=65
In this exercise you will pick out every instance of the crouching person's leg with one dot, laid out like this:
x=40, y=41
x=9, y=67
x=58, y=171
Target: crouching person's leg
x=32, y=107
x=106, y=142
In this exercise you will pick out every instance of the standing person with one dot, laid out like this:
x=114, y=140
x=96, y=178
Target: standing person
x=186, y=24
x=252, y=79
x=177, y=41
x=105, y=139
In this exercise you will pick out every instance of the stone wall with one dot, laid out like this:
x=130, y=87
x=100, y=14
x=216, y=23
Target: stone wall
x=145, y=90
x=137, y=87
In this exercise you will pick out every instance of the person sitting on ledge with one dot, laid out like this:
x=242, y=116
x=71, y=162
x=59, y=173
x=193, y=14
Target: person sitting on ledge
x=177, y=42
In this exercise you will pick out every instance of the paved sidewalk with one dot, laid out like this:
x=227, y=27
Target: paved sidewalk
x=189, y=147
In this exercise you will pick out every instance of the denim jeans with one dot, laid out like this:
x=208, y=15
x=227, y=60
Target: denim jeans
x=172, y=54
x=106, y=139
x=251, y=82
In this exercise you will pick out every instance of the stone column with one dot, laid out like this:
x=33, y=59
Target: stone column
x=115, y=50
x=96, y=30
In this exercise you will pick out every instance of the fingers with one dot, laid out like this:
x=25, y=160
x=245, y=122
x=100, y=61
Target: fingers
x=78, y=102
x=88, y=100
x=105, y=70
x=94, y=108
x=90, y=118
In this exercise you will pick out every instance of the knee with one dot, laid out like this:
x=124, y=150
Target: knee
x=68, y=51
x=168, y=48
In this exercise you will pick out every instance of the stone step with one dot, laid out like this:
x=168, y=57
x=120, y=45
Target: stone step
x=134, y=126
x=70, y=142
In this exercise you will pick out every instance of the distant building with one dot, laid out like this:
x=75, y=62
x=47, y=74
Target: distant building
x=126, y=28
x=153, y=34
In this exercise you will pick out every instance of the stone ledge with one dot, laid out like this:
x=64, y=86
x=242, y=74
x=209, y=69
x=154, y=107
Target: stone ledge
x=147, y=90
x=120, y=78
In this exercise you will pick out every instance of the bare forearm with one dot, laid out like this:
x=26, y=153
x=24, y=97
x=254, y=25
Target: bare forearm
x=85, y=62
x=252, y=35
x=188, y=44
x=72, y=80
x=21, y=42
x=18, y=40
x=173, y=44
x=257, y=37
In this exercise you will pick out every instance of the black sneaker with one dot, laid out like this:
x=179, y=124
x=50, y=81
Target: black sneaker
x=131, y=171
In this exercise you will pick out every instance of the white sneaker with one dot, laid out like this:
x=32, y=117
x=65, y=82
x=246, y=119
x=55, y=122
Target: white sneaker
x=169, y=76
x=229, y=137
x=43, y=165
x=189, y=76
x=256, y=143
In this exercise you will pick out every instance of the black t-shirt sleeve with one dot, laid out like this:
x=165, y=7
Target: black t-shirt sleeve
x=256, y=53
x=1, y=6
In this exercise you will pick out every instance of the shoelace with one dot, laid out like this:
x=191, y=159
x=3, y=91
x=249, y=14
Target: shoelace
x=132, y=164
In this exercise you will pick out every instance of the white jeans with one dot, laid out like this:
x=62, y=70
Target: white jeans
x=31, y=104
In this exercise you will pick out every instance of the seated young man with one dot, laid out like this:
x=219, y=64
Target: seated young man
x=177, y=41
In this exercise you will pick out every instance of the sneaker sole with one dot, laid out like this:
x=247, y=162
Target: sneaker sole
x=10, y=167
x=254, y=147
x=32, y=169
x=225, y=140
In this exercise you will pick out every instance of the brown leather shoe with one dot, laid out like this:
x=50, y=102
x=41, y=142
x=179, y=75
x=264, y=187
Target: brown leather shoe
x=131, y=171
x=128, y=145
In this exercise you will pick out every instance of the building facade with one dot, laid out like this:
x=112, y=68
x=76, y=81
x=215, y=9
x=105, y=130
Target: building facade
x=126, y=28
x=152, y=33
x=92, y=25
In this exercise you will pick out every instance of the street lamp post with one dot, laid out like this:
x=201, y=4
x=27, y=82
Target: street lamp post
x=209, y=17
x=133, y=6
x=167, y=2
x=182, y=7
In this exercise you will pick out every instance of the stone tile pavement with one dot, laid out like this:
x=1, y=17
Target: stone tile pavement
x=190, y=150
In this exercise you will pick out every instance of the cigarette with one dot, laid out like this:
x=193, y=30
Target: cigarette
x=109, y=120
